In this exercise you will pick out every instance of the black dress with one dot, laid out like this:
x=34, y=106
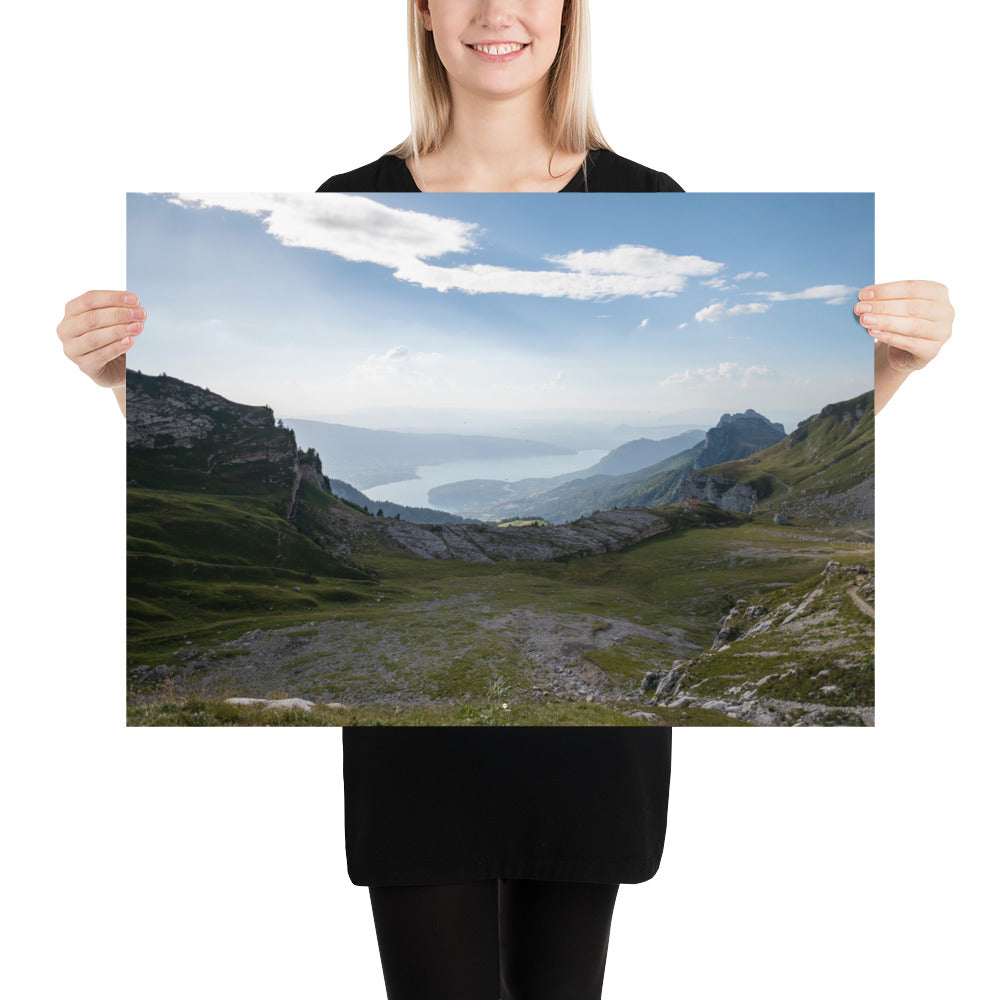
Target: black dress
x=426, y=805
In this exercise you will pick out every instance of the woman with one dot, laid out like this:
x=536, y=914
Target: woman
x=494, y=856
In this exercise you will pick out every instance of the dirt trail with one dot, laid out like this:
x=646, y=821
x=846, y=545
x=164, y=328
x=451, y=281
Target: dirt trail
x=852, y=590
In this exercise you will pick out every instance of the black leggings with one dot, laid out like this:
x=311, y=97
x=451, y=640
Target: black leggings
x=515, y=939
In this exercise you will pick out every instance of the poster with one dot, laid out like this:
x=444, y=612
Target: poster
x=513, y=460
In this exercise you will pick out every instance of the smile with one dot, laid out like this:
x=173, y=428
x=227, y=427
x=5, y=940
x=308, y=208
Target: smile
x=498, y=48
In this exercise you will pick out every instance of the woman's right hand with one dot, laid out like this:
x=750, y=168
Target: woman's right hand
x=96, y=331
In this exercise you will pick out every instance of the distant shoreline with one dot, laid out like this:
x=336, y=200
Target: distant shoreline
x=368, y=481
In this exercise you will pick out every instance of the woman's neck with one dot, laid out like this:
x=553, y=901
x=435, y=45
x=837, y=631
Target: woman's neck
x=496, y=145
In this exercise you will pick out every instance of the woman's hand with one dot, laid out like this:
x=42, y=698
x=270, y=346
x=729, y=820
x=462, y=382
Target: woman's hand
x=96, y=331
x=912, y=318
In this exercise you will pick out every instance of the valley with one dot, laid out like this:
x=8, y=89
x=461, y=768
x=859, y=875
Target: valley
x=248, y=579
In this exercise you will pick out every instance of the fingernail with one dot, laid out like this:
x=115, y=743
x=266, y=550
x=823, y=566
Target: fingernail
x=129, y=299
x=127, y=342
x=137, y=314
x=862, y=307
x=134, y=328
x=866, y=293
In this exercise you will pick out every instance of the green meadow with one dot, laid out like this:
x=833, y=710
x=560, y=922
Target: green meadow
x=398, y=639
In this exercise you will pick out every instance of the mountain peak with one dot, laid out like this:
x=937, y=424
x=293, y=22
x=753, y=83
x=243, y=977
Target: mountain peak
x=738, y=435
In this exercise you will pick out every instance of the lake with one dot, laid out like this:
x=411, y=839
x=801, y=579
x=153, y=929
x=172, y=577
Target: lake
x=413, y=492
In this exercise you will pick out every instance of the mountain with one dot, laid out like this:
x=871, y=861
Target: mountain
x=733, y=437
x=492, y=497
x=821, y=473
x=737, y=436
x=642, y=453
x=216, y=482
x=367, y=458
x=217, y=491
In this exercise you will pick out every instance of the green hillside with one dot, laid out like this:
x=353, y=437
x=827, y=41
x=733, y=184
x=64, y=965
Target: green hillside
x=822, y=472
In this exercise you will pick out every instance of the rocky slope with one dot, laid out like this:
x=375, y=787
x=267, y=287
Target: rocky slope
x=602, y=532
x=798, y=656
x=823, y=473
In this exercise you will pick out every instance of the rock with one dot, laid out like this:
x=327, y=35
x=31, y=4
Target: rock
x=300, y=703
x=726, y=635
x=670, y=681
x=651, y=680
x=146, y=674
x=781, y=519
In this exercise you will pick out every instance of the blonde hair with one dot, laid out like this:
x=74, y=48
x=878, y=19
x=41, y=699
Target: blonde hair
x=571, y=122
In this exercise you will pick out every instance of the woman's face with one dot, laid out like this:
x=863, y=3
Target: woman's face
x=495, y=48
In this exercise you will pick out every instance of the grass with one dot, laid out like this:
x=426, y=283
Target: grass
x=416, y=635
x=214, y=712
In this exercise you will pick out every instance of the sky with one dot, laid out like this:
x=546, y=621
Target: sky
x=644, y=304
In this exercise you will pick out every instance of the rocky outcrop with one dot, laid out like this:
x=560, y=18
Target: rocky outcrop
x=180, y=436
x=727, y=494
x=606, y=531
x=798, y=661
x=164, y=412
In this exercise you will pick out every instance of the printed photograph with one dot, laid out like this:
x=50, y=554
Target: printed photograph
x=514, y=460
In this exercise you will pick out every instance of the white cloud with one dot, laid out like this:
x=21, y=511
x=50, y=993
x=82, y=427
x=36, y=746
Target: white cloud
x=361, y=229
x=719, y=311
x=833, y=295
x=644, y=323
x=681, y=327
x=725, y=371
x=743, y=275
x=353, y=228
x=718, y=283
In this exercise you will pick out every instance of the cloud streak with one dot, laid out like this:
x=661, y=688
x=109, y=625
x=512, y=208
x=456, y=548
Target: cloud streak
x=725, y=371
x=409, y=243
x=718, y=311
x=832, y=295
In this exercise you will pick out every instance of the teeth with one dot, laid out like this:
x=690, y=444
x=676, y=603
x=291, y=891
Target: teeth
x=499, y=50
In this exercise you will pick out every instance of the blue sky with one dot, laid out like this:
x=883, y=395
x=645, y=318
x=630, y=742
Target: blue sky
x=318, y=304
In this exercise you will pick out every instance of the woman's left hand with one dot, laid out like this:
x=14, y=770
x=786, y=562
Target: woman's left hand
x=912, y=318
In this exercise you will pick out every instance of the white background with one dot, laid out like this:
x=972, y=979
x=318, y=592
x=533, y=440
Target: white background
x=210, y=863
